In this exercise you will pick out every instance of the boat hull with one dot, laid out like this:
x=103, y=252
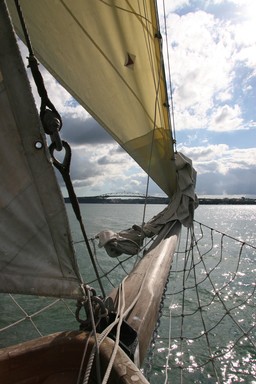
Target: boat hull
x=56, y=359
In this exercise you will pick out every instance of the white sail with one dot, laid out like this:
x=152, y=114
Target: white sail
x=107, y=54
x=36, y=253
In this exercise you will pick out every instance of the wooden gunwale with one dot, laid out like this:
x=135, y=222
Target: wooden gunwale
x=56, y=359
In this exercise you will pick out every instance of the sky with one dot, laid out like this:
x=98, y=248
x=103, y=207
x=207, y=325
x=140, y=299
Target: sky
x=212, y=61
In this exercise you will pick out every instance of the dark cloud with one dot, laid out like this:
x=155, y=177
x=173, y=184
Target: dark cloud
x=79, y=132
x=234, y=182
x=103, y=160
x=82, y=170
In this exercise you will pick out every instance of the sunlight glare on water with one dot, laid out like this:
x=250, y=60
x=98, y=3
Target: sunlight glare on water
x=225, y=289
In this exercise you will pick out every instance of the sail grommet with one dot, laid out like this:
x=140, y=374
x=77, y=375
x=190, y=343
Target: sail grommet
x=38, y=144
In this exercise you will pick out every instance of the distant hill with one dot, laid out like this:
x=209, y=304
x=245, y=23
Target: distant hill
x=159, y=200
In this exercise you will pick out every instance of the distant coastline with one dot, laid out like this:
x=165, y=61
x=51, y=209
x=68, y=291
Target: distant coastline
x=161, y=200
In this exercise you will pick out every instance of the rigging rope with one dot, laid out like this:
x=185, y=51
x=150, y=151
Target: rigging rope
x=120, y=316
x=51, y=119
x=52, y=123
x=170, y=77
x=96, y=344
x=154, y=123
x=64, y=169
x=157, y=82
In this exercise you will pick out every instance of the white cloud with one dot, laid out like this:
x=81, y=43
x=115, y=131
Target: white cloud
x=226, y=118
x=208, y=55
x=200, y=69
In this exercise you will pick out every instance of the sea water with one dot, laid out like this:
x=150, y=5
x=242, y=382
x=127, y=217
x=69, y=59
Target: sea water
x=237, y=221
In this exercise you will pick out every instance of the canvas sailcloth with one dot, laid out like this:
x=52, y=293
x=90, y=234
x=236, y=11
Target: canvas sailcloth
x=107, y=54
x=36, y=253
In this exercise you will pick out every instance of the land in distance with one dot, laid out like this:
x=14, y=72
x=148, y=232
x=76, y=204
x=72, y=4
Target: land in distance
x=159, y=200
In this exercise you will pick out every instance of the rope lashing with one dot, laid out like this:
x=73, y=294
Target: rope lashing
x=50, y=118
x=99, y=310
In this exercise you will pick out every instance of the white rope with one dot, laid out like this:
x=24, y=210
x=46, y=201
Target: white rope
x=118, y=321
x=123, y=316
x=113, y=356
x=100, y=339
x=96, y=346
x=83, y=358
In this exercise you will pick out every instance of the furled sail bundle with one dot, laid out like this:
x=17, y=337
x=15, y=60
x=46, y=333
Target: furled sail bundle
x=180, y=208
x=107, y=54
x=36, y=253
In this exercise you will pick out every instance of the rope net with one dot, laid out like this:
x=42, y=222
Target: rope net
x=207, y=329
x=27, y=317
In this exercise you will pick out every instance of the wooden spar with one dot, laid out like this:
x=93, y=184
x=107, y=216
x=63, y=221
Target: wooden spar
x=148, y=279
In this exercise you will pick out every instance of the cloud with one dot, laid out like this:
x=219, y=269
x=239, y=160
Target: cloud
x=79, y=131
x=98, y=163
x=234, y=183
x=105, y=167
x=213, y=61
x=209, y=55
x=226, y=118
x=172, y=6
x=223, y=169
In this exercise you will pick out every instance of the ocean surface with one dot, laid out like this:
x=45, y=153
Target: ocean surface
x=213, y=344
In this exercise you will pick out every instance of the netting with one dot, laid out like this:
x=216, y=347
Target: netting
x=24, y=317
x=207, y=330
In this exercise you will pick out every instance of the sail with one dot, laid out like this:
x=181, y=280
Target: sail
x=36, y=253
x=107, y=54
